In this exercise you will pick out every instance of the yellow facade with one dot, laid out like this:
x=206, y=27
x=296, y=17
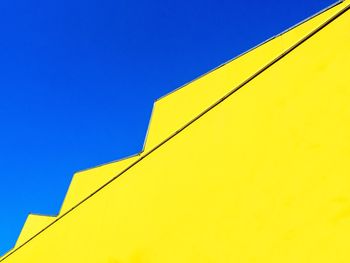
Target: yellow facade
x=249, y=163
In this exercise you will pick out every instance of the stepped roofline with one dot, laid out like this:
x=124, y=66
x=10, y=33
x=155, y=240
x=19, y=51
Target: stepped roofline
x=294, y=46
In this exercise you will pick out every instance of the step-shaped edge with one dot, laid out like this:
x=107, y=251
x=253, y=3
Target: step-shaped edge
x=189, y=101
x=33, y=225
x=193, y=98
x=174, y=110
x=82, y=185
x=86, y=182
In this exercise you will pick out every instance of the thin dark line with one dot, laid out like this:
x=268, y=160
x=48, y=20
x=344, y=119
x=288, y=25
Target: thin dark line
x=253, y=48
x=341, y=12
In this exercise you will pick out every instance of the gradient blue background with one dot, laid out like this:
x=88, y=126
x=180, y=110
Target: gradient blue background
x=78, y=80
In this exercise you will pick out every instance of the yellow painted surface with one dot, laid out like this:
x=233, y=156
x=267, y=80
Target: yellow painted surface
x=83, y=184
x=261, y=177
x=86, y=182
x=32, y=226
x=192, y=99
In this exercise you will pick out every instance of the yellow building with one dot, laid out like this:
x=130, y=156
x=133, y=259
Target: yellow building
x=249, y=163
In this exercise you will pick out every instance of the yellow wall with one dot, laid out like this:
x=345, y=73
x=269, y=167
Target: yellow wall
x=192, y=99
x=261, y=177
x=33, y=225
x=86, y=182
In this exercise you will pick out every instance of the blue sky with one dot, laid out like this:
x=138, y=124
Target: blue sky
x=78, y=80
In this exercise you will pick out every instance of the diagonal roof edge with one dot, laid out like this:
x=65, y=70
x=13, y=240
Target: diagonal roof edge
x=251, y=49
x=216, y=68
x=252, y=77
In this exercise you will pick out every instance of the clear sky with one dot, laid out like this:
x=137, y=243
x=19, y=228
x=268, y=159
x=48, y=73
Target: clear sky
x=78, y=80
